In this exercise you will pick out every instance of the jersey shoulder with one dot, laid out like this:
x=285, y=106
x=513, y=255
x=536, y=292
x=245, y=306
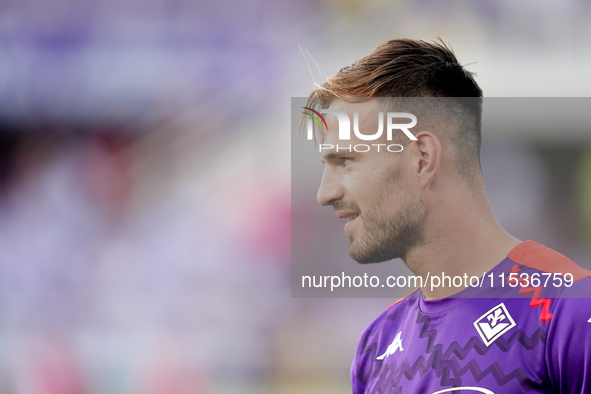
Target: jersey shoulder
x=397, y=310
x=557, y=274
x=374, y=334
x=539, y=257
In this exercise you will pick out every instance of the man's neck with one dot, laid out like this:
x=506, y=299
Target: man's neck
x=470, y=243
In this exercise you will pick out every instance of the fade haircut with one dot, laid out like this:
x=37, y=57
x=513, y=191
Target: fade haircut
x=450, y=99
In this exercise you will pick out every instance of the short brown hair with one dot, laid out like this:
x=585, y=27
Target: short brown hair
x=407, y=68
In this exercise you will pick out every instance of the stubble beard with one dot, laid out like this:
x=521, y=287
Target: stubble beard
x=388, y=237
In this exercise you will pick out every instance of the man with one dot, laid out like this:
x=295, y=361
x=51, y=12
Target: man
x=526, y=326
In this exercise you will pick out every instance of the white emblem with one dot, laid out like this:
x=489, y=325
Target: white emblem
x=494, y=323
x=395, y=345
x=457, y=389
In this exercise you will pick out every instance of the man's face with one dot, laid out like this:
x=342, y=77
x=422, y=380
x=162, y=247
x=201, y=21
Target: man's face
x=371, y=190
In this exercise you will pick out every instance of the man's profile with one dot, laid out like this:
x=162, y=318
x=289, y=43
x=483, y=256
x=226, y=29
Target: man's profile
x=427, y=205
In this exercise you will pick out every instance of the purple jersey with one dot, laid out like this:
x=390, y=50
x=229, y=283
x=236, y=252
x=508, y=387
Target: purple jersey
x=534, y=339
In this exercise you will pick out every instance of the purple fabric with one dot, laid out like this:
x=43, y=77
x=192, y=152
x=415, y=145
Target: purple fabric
x=485, y=340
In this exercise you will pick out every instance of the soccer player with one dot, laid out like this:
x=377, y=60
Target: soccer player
x=526, y=325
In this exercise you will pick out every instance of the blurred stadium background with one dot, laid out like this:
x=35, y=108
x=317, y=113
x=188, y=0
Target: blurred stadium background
x=145, y=180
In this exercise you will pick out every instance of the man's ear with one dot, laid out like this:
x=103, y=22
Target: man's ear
x=429, y=152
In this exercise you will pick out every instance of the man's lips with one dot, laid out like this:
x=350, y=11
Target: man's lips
x=346, y=214
x=351, y=219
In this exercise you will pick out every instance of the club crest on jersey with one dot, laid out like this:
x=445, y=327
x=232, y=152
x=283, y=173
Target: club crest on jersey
x=494, y=323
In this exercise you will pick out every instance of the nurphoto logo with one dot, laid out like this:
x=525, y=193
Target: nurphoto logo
x=345, y=129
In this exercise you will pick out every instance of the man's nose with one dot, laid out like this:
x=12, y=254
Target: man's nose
x=330, y=189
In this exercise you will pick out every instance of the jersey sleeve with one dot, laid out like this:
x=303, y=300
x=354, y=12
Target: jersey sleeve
x=365, y=355
x=568, y=345
x=361, y=364
x=357, y=386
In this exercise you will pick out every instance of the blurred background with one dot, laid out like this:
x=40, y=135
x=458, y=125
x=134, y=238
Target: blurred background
x=145, y=193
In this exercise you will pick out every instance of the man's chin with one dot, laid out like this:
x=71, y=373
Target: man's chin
x=367, y=256
x=367, y=259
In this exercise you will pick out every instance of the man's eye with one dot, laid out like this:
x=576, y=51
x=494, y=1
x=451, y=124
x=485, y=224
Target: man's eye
x=346, y=160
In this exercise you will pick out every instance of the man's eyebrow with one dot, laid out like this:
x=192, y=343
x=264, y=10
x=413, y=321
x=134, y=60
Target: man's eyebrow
x=329, y=156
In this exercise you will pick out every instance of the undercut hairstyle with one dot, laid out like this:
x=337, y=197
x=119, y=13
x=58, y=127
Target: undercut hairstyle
x=428, y=80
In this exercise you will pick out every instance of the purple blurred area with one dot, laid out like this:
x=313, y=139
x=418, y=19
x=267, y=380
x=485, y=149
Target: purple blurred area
x=145, y=181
